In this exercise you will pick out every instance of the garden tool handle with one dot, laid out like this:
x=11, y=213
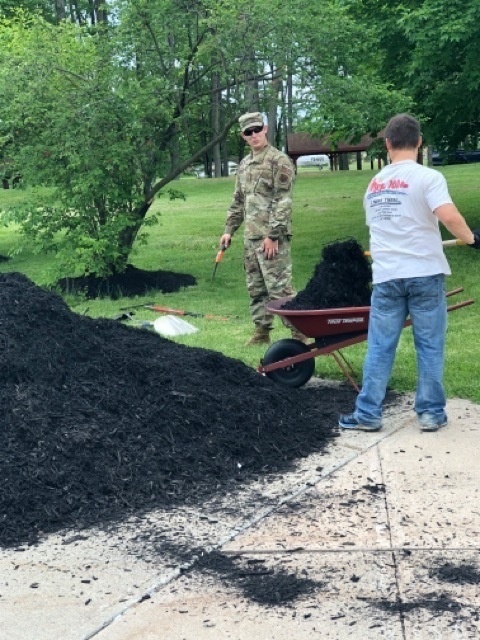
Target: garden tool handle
x=223, y=248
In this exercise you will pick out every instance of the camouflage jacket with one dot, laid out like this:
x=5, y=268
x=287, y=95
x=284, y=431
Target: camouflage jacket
x=263, y=196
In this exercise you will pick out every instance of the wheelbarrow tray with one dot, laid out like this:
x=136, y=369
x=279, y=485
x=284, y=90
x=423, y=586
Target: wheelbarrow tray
x=316, y=323
x=290, y=362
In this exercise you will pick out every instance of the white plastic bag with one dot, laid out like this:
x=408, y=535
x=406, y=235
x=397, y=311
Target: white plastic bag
x=169, y=326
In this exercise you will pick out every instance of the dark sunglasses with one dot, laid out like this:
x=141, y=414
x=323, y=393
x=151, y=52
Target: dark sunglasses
x=249, y=132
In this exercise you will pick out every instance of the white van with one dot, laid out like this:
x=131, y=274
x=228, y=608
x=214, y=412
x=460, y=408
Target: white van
x=319, y=160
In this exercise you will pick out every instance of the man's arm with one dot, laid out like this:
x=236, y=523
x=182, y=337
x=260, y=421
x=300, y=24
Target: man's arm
x=452, y=219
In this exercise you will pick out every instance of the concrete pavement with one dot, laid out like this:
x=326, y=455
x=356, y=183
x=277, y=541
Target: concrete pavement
x=376, y=538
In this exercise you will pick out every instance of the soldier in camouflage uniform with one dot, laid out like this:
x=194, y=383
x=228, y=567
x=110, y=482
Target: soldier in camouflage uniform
x=262, y=200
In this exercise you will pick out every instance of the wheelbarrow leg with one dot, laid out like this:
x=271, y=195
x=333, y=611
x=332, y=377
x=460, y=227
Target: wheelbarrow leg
x=345, y=367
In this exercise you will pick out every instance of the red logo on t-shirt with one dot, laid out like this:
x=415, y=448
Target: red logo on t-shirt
x=394, y=183
x=375, y=186
x=397, y=184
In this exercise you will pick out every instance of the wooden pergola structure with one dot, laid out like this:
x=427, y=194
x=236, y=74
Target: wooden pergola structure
x=302, y=144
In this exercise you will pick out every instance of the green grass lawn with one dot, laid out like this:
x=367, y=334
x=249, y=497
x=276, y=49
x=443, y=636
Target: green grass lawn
x=327, y=207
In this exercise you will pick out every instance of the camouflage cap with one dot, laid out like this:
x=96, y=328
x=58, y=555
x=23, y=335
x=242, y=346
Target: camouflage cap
x=249, y=120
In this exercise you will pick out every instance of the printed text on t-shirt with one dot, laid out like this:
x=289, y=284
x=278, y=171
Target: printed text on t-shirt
x=394, y=183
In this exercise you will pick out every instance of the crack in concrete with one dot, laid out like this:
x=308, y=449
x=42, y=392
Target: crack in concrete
x=398, y=590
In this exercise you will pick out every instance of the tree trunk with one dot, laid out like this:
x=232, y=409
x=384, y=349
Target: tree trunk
x=272, y=108
x=252, y=96
x=75, y=13
x=289, y=106
x=224, y=154
x=60, y=12
x=174, y=152
x=226, y=170
x=100, y=8
x=343, y=162
x=429, y=155
x=216, y=151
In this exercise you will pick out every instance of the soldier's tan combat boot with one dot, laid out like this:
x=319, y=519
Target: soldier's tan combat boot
x=296, y=335
x=261, y=335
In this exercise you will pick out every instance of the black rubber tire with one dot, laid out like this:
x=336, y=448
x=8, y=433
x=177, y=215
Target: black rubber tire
x=291, y=376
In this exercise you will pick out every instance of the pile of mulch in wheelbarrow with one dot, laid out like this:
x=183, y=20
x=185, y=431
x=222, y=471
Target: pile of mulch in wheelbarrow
x=342, y=278
x=100, y=421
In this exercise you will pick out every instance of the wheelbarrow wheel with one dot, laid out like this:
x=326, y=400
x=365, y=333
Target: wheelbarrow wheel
x=294, y=375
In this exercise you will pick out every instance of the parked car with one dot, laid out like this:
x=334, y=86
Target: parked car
x=459, y=156
x=319, y=160
x=473, y=155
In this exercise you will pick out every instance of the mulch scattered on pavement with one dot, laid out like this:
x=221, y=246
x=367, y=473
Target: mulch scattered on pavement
x=436, y=603
x=101, y=421
x=461, y=573
x=259, y=582
x=342, y=278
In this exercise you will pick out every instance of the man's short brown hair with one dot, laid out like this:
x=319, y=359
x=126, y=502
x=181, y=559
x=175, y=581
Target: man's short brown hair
x=403, y=131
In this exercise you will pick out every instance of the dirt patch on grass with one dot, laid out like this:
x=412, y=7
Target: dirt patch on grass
x=129, y=283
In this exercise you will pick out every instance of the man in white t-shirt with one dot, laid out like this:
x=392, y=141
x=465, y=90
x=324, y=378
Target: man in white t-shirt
x=404, y=204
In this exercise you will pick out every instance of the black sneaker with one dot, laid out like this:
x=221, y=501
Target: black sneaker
x=351, y=422
x=428, y=424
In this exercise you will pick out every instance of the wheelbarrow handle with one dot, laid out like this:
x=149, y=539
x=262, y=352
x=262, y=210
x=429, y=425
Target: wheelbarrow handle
x=453, y=243
x=446, y=243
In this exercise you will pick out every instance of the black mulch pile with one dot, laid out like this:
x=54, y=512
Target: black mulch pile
x=342, y=278
x=100, y=421
x=129, y=283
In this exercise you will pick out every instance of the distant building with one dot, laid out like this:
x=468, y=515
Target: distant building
x=302, y=144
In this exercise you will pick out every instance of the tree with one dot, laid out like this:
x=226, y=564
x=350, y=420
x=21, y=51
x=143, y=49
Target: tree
x=94, y=122
x=430, y=50
x=342, y=92
x=54, y=11
x=109, y=113
x=444, y=69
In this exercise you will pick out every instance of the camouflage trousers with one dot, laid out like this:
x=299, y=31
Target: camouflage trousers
x=267, y=279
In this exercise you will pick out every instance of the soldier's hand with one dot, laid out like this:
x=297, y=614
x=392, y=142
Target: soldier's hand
x=226, y=240
x=270, y=248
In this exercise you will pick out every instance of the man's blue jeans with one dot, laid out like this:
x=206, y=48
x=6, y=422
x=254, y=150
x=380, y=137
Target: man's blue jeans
x=424, y=300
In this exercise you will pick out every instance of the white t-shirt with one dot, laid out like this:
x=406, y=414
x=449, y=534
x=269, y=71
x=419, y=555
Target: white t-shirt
x=405, y=240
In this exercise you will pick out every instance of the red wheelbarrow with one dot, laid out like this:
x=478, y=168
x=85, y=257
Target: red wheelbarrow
x=291, y=362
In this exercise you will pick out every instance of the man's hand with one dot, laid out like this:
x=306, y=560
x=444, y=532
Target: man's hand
x=476, y=243
x=270, y=248
x=226, y=240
